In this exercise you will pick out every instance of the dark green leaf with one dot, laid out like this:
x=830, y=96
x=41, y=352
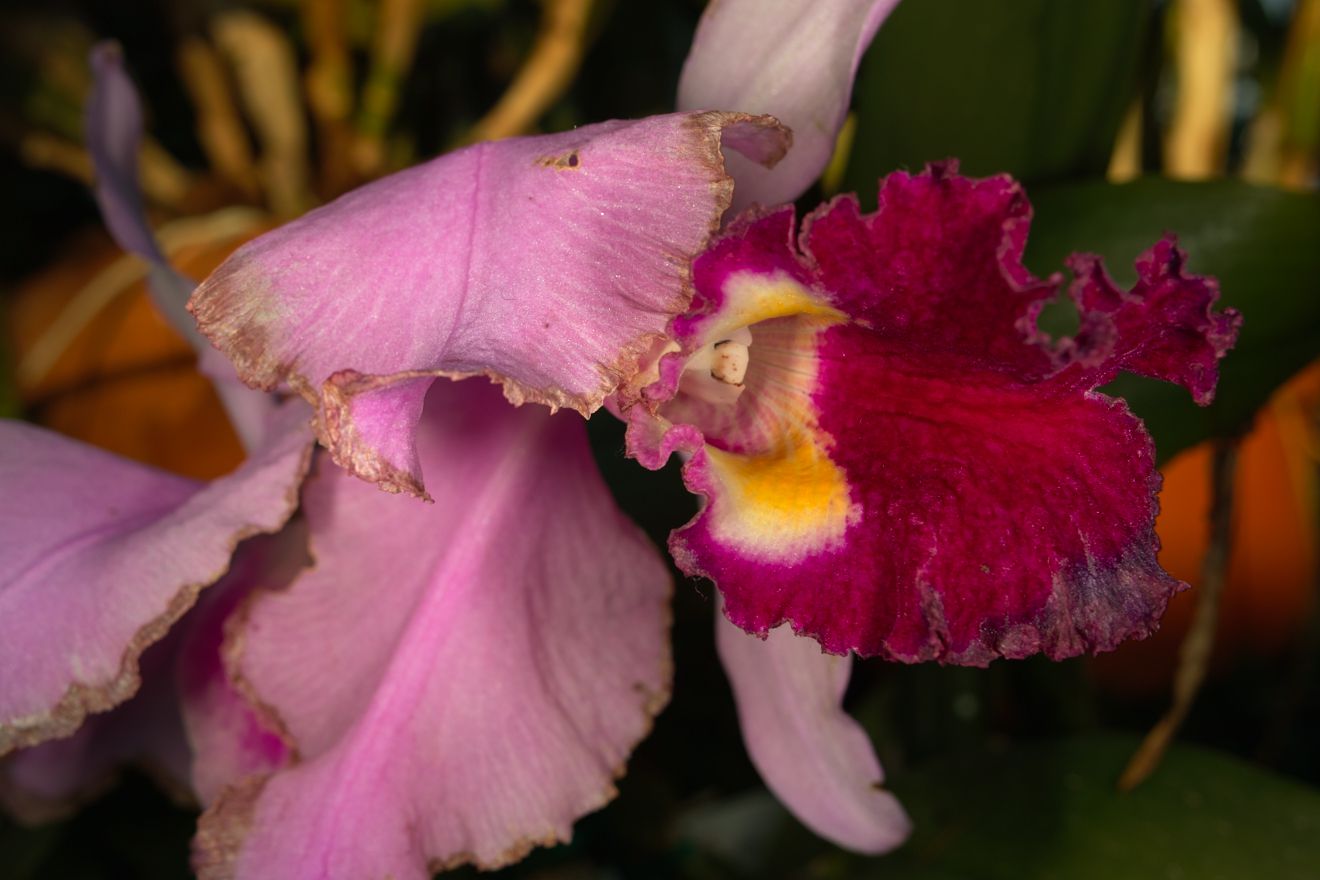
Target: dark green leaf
x=1262, y=244
x=1036, y=88
x=1050, y=810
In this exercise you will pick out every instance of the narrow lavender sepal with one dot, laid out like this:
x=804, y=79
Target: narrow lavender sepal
x=113, y=123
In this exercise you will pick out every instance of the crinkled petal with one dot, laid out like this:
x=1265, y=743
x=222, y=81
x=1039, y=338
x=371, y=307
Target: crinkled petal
x=1163, y=328
x=914, y=470
x=815, y=758
x=228, y=739
x=895, y=271
x=792, y=59
x=103, y=555
x=461, y=680
x=53, y=779
x=548, y=263
x=187, y=725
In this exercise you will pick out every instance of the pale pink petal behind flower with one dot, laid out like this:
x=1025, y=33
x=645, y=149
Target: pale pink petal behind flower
x=547, y=263
x=460, y=680
x=103, y=555
x=792, y=59
x=815, y=758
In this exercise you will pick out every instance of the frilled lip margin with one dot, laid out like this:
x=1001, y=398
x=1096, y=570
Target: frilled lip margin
x=1097, y=593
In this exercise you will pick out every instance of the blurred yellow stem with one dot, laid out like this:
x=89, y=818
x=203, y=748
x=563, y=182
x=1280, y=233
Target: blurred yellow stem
x=1198, y=644
x=1283, y=144
x=1299, y=92
x=53, y=153
x=397, y=29
x=219, y=126
x=544, y=76
x=266, y=73
x=329, y=85
x=1205, y=36
x=1125, y=163
x=164, y=181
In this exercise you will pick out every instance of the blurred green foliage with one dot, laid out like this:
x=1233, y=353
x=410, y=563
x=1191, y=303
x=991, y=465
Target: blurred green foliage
x=1262, y=244
x=1049, y=809
x=1035, y=88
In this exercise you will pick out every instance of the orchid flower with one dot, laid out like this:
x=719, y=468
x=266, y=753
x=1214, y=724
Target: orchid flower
x=539, y=689
x=567, y=342
x=581, y=631
x=893, y=459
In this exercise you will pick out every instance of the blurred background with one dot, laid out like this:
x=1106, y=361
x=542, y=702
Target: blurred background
x=1195, y=754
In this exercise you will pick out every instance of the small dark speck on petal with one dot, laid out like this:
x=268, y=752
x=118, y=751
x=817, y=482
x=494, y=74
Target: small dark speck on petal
x=560, y=162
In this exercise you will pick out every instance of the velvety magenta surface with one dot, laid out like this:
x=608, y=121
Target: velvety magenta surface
x=1004, y=506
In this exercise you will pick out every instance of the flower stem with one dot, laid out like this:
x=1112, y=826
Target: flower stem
x=1198, y=644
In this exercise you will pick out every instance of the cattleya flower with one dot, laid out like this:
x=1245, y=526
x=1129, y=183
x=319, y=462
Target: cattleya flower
x=331, y=725
x=894, y=460
x=894, y=457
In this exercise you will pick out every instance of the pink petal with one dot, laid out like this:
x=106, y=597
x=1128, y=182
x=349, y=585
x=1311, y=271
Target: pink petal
x=186, y=726
x=51, y=780
x=549, y=264
x=228, y=739
x=792, y=59
x=912, y=469
x=103, y=555
x=461, y=680
x=815, y=758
